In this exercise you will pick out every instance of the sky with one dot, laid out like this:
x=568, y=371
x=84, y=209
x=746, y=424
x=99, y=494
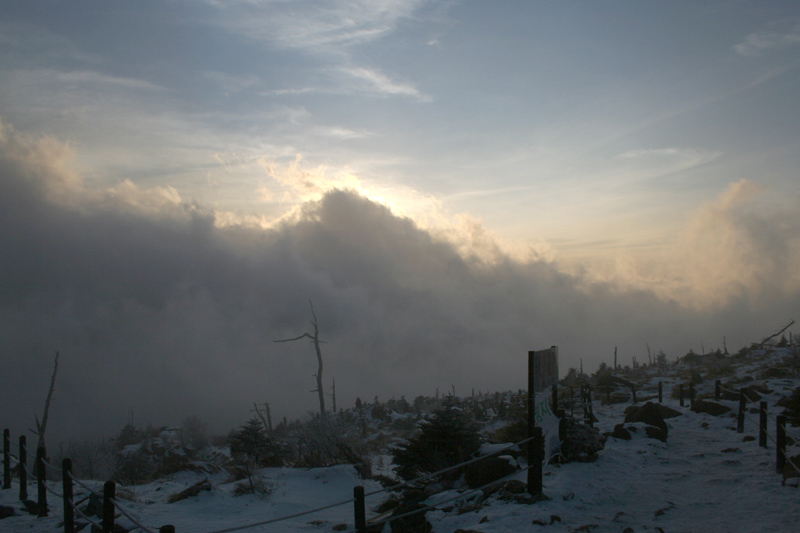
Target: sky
x=451, y=183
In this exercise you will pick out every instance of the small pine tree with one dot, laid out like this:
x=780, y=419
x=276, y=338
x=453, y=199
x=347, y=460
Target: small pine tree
x=252, y=443
x=447, y=439
x=129, y=434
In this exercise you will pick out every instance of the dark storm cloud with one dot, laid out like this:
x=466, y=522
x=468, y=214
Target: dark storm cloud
x=159, y=312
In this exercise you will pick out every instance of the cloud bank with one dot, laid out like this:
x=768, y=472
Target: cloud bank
x=159, y=310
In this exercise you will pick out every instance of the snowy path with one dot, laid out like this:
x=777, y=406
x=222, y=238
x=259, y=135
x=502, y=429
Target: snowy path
x=701, y=480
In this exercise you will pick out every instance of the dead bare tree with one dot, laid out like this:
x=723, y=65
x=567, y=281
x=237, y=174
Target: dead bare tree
x=41, y=427
x=780, y=331
x=316, y=340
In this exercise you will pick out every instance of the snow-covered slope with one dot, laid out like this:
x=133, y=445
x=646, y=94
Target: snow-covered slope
x=706, y=477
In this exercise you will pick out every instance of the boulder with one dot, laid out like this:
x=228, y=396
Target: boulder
x=656, y=433
x=6, y=511
x=621, y=433
x=710, y=407
x=489, y=470
x=649, y=414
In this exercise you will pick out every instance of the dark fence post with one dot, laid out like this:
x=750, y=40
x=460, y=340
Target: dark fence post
x=41, y=479
x=740, y=417
x=109, y=493
x=23, y=468
x=589, y=403
x=633, y=392
x=660, y=392
x=691, y=394
x=66, y=483
x=780, y=454
x=360, y=511
x=536, y=450
x=762, y=425
x=6, y=458
x=680, y=393
x=531, y=421
x=717, y=389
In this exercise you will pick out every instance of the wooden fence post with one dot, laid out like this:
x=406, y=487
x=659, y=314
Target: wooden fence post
x=41, y=479
x=66, y=484
x=536, y=450
x=531, y=422
x=6, y=458
x=717, y=389
x=660, y=392
x=680, y=394
x=780, y=454
x=360, y=511
x=762, y=425
x=691, y=394
x=589, y=403
x=740, y=417
x=23, y=468
x=633, y=392
x=109, y=493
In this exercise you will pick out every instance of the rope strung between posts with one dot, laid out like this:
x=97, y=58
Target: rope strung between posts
x=95, y=524
x=351, y=500
x=736, y=392
x=48, y=465
x=76, y=480
x=448, y=469
x=131, y=518
x=785, y=455
x=43, y=484
x=461, y=496
x=288, y=517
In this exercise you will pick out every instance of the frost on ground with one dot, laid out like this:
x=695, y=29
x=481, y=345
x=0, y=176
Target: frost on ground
x=706, y=477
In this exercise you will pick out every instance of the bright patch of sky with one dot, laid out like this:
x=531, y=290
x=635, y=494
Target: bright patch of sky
x=594, y=128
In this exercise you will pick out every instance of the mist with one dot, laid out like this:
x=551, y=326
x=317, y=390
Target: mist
x=160, y=312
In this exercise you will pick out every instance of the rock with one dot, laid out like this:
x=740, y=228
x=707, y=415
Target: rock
x=514, y=486
x=194, y=490
x=656, y=433
x=710, y=407
x=6, y=511
x=621, y=433
x=649, y=414
x=489, y=470
x=667, y=412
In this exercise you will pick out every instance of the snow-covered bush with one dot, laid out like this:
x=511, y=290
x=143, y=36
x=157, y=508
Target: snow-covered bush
x=448, y=438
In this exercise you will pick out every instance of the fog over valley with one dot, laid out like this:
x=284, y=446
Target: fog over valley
x=162, y=308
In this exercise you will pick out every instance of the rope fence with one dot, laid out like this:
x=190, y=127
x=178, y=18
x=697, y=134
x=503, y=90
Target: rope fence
x=110, y=502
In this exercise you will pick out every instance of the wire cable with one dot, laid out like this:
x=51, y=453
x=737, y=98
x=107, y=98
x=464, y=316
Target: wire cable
x=282, y=518
x=131, y=518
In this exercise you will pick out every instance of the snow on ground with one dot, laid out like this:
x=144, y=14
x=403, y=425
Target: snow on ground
x=705, y=478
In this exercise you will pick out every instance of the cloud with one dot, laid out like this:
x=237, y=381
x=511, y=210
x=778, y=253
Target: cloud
x=757, y=43
x=166, y=308
x=329, y=32
x=305, y=25
x=378, y=82
x=737, y=248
